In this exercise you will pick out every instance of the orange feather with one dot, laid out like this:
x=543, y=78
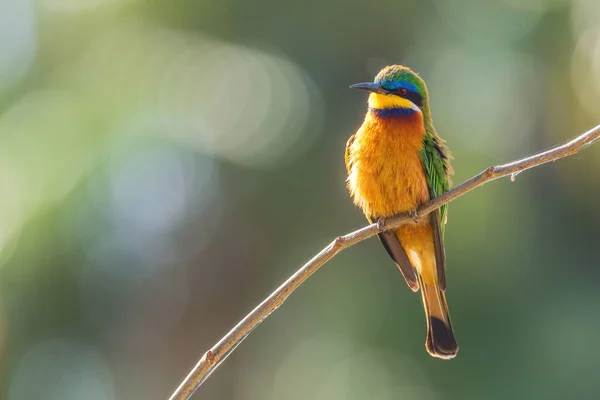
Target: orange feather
x=387, y=178
x=387, y=175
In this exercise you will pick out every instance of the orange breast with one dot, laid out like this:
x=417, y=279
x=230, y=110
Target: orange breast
x=387, y=175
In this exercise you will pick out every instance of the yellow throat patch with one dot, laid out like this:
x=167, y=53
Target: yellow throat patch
x=380, y=101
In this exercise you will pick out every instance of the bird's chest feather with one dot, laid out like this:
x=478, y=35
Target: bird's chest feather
x=387, y=175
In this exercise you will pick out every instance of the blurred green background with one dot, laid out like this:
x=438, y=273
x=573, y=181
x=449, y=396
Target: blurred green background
x=164, y=165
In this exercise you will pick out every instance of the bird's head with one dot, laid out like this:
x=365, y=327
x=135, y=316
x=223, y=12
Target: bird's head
x=396, y=87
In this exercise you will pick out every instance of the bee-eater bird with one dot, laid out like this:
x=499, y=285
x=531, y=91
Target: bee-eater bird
x=395, y=162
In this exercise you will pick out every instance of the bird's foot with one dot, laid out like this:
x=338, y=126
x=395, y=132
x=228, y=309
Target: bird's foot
x=414, y=214
x=381, y=224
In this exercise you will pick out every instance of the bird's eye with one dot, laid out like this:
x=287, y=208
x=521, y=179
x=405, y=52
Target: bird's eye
x=402, y=91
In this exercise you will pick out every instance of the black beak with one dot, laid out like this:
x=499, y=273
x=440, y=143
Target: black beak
x=369, y=87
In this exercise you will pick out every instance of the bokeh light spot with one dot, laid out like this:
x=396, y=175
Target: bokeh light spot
x=487, y=102
x=247, y=106
x=59, y=369
x=74, y=6
x=585, y=70
x=492, y=20
x=18, y=39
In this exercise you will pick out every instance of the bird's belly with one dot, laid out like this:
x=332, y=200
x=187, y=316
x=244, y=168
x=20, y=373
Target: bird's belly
x=394, y=185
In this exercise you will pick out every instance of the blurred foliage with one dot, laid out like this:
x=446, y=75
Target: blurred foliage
x=164, y=165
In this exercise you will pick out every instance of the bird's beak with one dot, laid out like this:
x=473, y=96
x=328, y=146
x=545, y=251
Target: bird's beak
x=369, y=87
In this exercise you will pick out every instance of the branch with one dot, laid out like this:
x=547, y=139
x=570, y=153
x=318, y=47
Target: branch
x=213, y=357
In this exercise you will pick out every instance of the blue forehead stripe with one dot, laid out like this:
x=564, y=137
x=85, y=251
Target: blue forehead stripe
x=392, y=84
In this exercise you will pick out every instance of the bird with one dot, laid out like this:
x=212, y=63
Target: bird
x=396, y=161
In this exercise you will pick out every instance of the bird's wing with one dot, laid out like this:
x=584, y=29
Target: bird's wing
x=347, y=158
x=436, y=160
x=396, y=251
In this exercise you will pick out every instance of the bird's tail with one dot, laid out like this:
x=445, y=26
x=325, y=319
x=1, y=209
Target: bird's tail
x=440, y=338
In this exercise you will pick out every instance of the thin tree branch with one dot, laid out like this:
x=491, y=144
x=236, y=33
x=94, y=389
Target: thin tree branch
x=213, y=357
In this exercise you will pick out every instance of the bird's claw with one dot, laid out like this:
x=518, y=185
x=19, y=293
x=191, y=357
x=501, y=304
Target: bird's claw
x=414, y=215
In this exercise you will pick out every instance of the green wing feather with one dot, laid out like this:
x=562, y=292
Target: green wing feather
x=436, y=161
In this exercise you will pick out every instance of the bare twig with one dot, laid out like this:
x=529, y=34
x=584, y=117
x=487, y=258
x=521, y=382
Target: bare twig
x=213, y=357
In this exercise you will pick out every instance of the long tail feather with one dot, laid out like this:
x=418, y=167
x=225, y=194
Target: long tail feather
x=440, y=337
